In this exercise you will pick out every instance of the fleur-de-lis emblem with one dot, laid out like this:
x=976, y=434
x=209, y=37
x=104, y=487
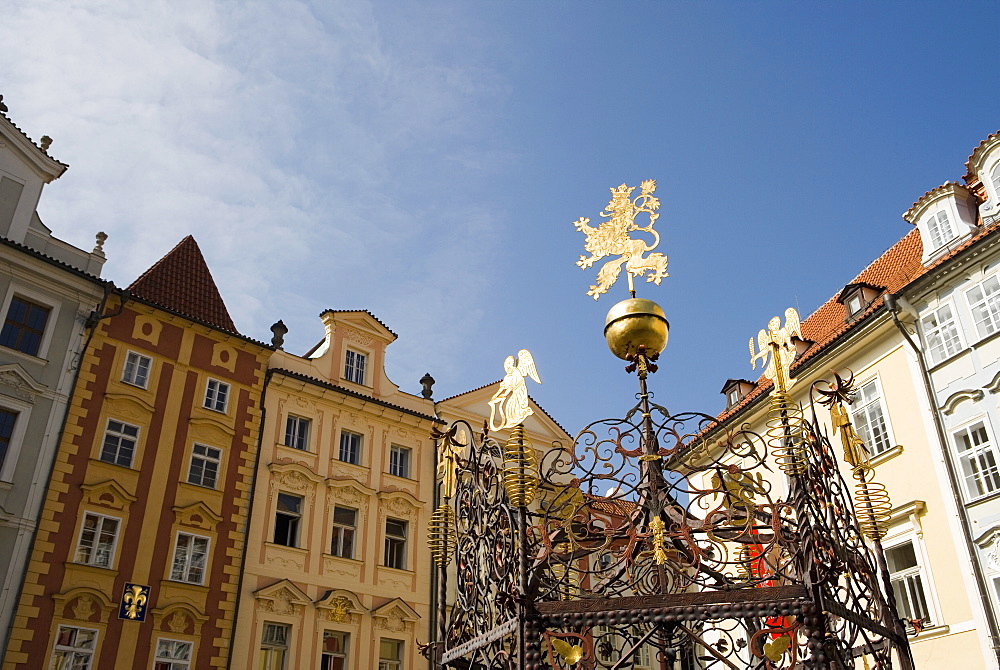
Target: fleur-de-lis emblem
x=135, y=601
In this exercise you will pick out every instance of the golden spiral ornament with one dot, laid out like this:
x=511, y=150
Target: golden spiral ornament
x=872, y=505
x=787, y=434
x=520, y=469
x=441, y=536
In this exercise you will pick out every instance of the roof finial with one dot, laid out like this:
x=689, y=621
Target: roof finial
x=428, y=383
x=279, y=330
x=99, y=247
x=46, y=142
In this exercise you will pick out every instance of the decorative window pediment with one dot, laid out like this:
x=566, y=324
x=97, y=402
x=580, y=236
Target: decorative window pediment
x=340, y=606
x=129, y=407
x=282, y=597
x=179, y=618
x=108, y=493
x=399, y=504
x=945, y=216
x=197, y=515
x=395, y=616
x=19, y=383
x=83, y=603
x=348, y=492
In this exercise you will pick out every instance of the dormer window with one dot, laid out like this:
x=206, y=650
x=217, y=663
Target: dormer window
x=857, y=297
x=735, y=390
x=354, y=366
x=983, y=177
x=945, y=216
x=940, y=229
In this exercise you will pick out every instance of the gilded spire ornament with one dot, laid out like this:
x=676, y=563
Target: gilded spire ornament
x=611, y=238
x=777, y=350
x=509, y=405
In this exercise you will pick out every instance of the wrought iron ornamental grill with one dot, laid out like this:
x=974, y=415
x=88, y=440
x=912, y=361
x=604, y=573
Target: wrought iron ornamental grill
x=659, y=540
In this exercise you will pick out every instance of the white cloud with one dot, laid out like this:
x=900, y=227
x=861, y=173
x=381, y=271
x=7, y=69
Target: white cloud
x=310, y=158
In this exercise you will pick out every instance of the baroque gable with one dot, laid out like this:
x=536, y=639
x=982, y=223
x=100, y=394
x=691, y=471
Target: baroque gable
x=108, y=493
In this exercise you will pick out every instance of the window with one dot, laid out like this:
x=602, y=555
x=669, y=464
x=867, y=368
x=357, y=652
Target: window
x=286, y=520
x=907, y=583
x=354, y=367
x=345, y=521
x=204, y=470
x=24, y=326
x=7, y=421
x=190, y=556
x=978, y=460
x=733, y=397
x=984, y=303
x=395, y=544
x=868, y=417
x=350, y=447
x=216, y=395
x=172, y=655
x=274, y=646
x=119, y=443
x=941, y=334
x=136, y=369
x=334, y=655
x=97, y=540
x=995, y=179
x=74, y=648
x=399, y=461
x=940, y=229
x=854, y=304
x=297, y=432
x=390, y=654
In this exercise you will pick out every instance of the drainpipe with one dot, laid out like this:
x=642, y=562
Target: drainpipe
x=246, y=527
x=977, y=571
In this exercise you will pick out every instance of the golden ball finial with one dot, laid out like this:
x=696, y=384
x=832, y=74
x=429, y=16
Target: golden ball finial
x=633, y=323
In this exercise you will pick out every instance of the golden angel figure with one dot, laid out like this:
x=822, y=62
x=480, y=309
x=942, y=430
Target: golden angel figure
x=509, y=405
x=777, y=350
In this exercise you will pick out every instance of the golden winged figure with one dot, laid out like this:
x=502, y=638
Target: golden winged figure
x=777, y=350
x=611, y=238
x=509, y=405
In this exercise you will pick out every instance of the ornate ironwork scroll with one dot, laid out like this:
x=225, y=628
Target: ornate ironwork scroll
x=662, y=540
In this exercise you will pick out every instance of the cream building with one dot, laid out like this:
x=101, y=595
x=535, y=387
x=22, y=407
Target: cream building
x=337, y=573
x=928, y=378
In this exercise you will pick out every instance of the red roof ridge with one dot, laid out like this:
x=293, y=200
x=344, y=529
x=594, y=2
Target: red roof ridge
x=182, y=282
x=979, y=147
x=908, y=215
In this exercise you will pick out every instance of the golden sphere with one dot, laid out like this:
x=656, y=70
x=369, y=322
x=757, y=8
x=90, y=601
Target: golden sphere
x=635, y=322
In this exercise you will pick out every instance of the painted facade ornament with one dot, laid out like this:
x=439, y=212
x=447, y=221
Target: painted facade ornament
x=178, y=623
x=339, y=611
x=83, y=608
x=777, y=350
x=509, y=406
x=611, y=238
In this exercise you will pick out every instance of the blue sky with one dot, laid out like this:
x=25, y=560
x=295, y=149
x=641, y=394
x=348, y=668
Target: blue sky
x=426, y=160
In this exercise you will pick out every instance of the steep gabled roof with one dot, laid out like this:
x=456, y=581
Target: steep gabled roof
x=182, y=283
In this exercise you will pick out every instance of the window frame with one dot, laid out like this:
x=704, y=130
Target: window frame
x=112, y=552
x=396, y=544
x=32, y=298
x=134, y=380
x=345, y=654
x=211, y=400
x=294, y=518
x=407, y=455
x=267, y=647
x=299, y=428
x=987, y=301
x=921, y=571
x=338, y=532
x=977, y=451
x=864, y=429
x=926, y=333
x=169, y=663
x=359, y=447
x=351, y=367
x=108, y=432
x=391, y=663
x=90, y=651
x=205, y=458
x=188, y=562
x=22, y=410
x=935, y=230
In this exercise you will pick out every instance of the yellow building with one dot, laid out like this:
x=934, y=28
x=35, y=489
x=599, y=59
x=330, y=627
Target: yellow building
x=136, y=560
x=337, y=573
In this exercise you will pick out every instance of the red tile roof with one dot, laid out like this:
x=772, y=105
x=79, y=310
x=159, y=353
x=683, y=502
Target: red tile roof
x=182, y=283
